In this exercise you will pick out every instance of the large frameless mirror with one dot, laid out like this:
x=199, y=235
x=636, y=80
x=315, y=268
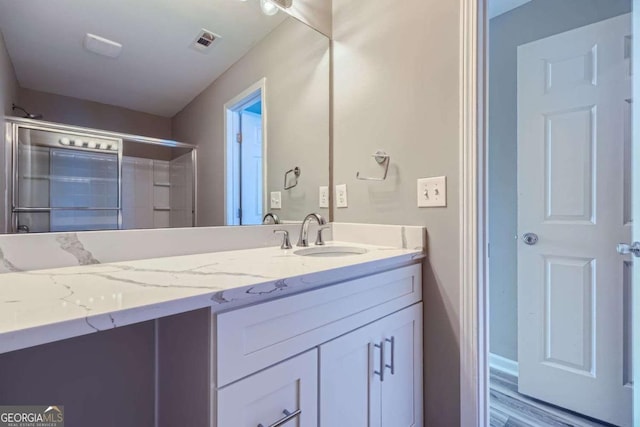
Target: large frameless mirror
x=150, y=114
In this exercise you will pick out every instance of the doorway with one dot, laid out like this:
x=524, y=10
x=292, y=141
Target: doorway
x=245, y=122
x=558, y=202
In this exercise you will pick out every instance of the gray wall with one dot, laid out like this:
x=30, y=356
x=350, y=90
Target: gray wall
x=79, y=112
x=532, y=21
x=397, y=89
x=8, y=81
x=295, y=61
x=8, y=95
x=104, y=379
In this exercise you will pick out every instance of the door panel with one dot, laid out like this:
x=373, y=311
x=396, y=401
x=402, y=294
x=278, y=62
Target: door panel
x=573, y=93
x=402, y=388
x=252, y=165
x=349, y=389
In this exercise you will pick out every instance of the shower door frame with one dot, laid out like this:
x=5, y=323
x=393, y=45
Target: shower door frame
x=13, y=125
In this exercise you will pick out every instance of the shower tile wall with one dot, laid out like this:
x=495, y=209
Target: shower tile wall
x=145, y=193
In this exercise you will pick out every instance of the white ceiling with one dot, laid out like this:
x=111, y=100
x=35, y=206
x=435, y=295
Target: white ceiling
x=498, y=7
x=156, y=73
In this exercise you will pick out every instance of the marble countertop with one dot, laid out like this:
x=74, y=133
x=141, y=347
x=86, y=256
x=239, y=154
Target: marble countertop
x=42, y=306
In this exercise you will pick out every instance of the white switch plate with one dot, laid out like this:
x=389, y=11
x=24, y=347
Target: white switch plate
x=323, y=200
x=341, y=196
x=432, y=192
x=276, y=200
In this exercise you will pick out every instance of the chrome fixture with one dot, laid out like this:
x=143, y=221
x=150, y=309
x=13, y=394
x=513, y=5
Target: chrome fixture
x=530, y=238
x=296, y=173
x=27, y=115
x=288, y=416
x=274, y=219
x=23, y=228
x=624, y=249
x=286, y=243
x=319, y=241
x=381, y=158
x=304, y=231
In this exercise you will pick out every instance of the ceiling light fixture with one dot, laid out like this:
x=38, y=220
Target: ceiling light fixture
x=268, y=7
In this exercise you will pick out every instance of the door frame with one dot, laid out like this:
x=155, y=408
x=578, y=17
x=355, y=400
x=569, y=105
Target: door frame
x=473, y=220
x=228, y=110
x=474, y=342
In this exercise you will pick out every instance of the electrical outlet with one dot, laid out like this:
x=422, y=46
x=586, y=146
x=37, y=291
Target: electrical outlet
x=276, y=200
x=323, y=201
x=432, y=192
x=341, y=196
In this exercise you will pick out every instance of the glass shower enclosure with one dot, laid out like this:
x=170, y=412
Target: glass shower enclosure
x=66, y=178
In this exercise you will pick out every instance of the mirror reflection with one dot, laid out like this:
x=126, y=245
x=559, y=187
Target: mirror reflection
x=124, y=115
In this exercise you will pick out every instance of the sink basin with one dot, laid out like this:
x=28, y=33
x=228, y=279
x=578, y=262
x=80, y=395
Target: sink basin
x=330, y=251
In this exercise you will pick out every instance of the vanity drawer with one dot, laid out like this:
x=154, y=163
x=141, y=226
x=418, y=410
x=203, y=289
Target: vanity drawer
x=253, y=338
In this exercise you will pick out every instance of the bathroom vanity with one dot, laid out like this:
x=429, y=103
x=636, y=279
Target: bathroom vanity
x=246, y=337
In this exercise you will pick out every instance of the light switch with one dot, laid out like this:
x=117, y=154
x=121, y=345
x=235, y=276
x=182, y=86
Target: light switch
x=341, y=196
x=276, y=200
x=432, y=192
x=323, y=201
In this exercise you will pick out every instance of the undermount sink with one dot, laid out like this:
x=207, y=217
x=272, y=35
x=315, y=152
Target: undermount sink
x=330, y=251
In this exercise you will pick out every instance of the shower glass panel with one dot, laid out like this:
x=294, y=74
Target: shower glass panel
x=65, y=182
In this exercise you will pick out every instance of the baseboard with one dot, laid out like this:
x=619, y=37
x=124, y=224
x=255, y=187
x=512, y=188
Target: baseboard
x=503, y=364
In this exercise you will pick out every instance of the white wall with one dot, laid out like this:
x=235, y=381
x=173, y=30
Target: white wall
x=316, y=13
x=295, y=61
x=79, y=112
x=397, y=88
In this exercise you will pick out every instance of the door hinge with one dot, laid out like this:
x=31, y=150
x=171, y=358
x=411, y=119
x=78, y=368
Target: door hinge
x=239, y=138
x=239, y=213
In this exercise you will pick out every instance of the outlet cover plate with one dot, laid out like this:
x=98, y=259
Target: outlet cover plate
x=432, y=192
x=323, y=200
x=276, y=200
x=341, y=196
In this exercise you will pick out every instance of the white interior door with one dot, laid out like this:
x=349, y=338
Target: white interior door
x=251, y=148
x=574, y=112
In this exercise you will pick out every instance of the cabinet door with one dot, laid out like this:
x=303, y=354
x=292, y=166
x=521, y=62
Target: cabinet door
x=269, y=396
x=401, y=400
x=349, y=386
x=352, y=391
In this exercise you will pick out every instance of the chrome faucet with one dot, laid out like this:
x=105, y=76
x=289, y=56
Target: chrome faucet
x=274, y=218
x=304, y=231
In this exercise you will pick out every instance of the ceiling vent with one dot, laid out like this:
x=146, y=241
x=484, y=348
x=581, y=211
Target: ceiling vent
x=102, y=46
x=204, y=40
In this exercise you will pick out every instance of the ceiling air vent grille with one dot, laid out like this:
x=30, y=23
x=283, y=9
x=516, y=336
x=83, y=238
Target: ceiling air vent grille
x=204, y=40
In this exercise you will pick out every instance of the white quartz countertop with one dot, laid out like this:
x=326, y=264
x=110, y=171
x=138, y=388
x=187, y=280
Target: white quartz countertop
x=42, y=306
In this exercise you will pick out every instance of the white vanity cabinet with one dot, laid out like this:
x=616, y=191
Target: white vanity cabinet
x=373, y=375
x=285, y=394
x=316, y=352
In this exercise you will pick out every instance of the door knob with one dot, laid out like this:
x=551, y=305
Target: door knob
x=530, y=238
x=633, y=248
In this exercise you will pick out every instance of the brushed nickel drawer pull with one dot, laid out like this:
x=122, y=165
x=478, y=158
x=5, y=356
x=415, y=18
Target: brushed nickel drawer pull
x=380, y=372
x=392, y=367
x=288, y=416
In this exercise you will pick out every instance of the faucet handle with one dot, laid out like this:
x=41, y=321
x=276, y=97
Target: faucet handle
x=319, y=241
x=286, y=243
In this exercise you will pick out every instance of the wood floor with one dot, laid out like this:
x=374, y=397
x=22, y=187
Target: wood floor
x=508, y=408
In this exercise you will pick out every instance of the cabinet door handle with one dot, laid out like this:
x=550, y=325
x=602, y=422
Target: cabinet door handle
x=392, y=367
x=288, y=416
x=380, y=372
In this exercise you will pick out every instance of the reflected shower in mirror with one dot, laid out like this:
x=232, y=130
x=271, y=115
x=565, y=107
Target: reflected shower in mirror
x=156, y=114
